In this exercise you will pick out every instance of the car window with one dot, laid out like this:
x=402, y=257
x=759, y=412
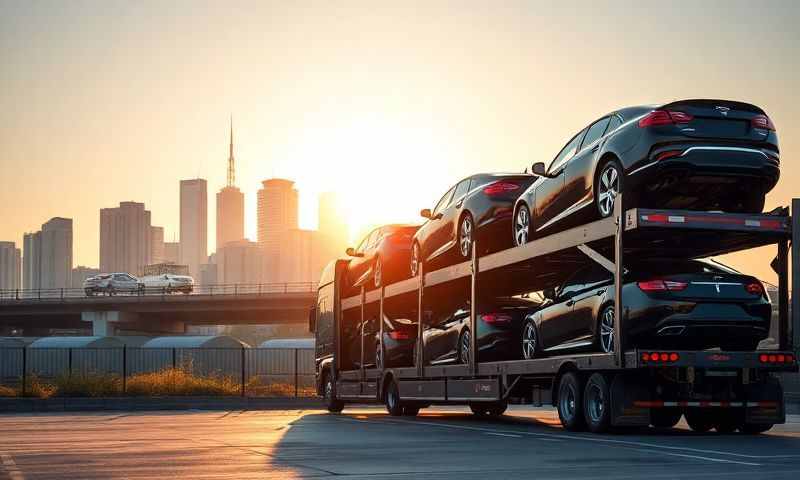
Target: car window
x=375, y=238
x=443, y=201
x=613, y=124
x=364, y=243
x=566, y=153
x=461, y=189
x=595, y=132
x=571, y=286
x=596, y=275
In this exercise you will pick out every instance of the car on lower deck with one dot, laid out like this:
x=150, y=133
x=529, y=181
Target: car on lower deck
x=689, y=154
x=446, y=337
x=670, y=303
x=479, y=208
x=399, y=339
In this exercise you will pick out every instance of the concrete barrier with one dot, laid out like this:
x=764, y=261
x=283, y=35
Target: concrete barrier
x=69, y=404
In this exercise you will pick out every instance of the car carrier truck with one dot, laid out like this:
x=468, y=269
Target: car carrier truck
x=713, y=389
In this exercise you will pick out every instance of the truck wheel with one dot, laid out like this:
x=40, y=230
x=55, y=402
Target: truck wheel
x=497, y=409
x=479, y=410
x=410, y=411
x=665, y=417
x=699, y=420
x=331, y=402
x=570, y=402
x=727, y=421
x=755, y=428
x=597, y=403
x=393, y=405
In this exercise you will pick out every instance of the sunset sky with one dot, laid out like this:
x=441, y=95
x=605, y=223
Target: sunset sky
x=385, y=104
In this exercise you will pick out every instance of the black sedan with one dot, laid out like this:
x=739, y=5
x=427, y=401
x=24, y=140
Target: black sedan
x=500, y=321
x=682, y=304
x=399, y=338
x=381, y=258
x=478, y=207
x=690, y=154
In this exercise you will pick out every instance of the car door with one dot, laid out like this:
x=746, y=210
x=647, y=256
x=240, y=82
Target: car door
x=447, y=228
x=441, y=338
x=549, y=201
x=429, y=243
x=579, y=170
x=557, y=325
x=596, y=282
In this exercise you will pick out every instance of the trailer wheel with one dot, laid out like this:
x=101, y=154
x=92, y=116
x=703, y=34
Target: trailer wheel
x=410, y=411
x=665, y=417
x=699, y=420
x=570, y=402
x=755, y=428
x=494, y=409
x=333, y=404
x=728, y=421
x=597, y=403
x=393, y=405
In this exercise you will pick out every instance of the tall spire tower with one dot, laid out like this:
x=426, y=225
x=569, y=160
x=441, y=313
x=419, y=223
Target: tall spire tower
x=231, y=168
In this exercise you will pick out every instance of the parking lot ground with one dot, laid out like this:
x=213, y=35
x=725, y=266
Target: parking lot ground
x=365, y=443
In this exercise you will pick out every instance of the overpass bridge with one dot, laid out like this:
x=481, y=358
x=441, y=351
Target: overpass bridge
x=156, y=310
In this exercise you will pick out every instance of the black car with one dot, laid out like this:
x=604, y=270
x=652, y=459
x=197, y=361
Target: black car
x=690, y=154
x=682, y=304
x=477, y=207
x=382, y=257
x=500, y=321
x=399, y=338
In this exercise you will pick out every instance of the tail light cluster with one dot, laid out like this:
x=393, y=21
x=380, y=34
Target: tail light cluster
x=762, y=121
x=776, y=358
x=664, y=117
x=500, y=187
x=754, y=288
x=400, y=335
x=497, y=318
x=660, y=357
x=659, y=285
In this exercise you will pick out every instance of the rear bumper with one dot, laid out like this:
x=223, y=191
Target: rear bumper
x=684, y=331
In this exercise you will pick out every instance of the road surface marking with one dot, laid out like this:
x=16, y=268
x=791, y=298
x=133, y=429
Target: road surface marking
x=710, y=459
x=502, y=434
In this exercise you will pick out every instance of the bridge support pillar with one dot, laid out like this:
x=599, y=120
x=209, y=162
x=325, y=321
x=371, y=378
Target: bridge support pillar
x=105, y=323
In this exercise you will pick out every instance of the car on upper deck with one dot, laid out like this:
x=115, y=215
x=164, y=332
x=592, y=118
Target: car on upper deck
x=381, y=257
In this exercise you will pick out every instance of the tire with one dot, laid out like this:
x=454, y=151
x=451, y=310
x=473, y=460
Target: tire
x=110, y=291
x=727, y=421
x=521, y=225
x=498, y=409
x=570, y=402
x=665, y=417
x=466, y=235
x=755, y=428
x=392, y=400
x=464, y=346
x=699, y=420
x=378, y=357
x=607, y=185
x=377, y=272
x=89, y=292
x=331, y=402
x=410, y=410
x=479, y=410
x=605, y=329
x=597, y=404
x=531, y=346
x=754, y=204
x=416, y=259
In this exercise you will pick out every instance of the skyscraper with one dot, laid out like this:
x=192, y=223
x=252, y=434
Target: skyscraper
x=156, y=244
x=240, y=261
x=10, y=266
x=194, y=224
x=48, y=255
x=277, y=213
x=125, y=238
x=230, y=206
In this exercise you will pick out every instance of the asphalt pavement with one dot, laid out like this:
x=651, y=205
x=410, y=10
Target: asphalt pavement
x=365, y=443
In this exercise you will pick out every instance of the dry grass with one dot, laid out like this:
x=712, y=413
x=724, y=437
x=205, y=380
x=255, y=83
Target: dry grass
x=88, y=385
x=174, y=381
x=7, y=391
x=256, y=388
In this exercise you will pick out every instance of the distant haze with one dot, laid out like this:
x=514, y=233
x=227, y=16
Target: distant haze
x=106, y=101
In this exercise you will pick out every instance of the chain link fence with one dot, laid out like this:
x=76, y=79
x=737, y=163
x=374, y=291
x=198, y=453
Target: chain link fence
x=264, y=372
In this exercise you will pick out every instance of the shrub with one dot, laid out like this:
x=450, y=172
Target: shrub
x=88, y=385
x=7, y=391
x=37, y=388
x=175, y=381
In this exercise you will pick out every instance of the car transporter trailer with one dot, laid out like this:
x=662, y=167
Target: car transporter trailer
x=725, y=390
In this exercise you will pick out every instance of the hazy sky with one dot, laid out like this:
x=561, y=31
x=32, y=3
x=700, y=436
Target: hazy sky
x=387, y=104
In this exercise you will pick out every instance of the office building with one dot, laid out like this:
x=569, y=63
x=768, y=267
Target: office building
x=10, y=266
x=239, y=262
x=194, y=224
x=47, y=255
x=156, y=244
x=172, y=253
x=125, y=238
x=230, y=206
x=32, y=261
x=277, y=214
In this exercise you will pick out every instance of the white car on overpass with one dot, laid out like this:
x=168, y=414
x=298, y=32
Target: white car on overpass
x=168, y=283
x=111, y=284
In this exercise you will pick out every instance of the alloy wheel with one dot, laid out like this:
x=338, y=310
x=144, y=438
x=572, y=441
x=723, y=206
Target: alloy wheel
x=465, y=236
x=607, y=330
x=378, y=357
x=377, y=273
x=529, y=341
x=595, y=403
x=464, y=347
x=567, y=399
x=521, y=224
x=607, y=189
x=415, y=259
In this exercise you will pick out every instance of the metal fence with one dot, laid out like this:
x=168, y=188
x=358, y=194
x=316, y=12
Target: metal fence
x=282, y=372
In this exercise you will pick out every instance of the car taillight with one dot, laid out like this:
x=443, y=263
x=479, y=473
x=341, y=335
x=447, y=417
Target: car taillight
x=400, y=335
x=499, y=188
x=662, y=286
x=669, y=154
x=496, y=318
x=762, y=121
x=664, y=117
x=660, y=357
x=776, y=358
x=754, y=288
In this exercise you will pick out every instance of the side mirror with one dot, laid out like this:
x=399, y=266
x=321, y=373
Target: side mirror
x=351, y=252
x=549, y=293
x=539, y=168
x=425, y=213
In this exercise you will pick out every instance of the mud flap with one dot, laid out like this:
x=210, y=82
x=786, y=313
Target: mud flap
x=625, y=389
x=770, y=391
